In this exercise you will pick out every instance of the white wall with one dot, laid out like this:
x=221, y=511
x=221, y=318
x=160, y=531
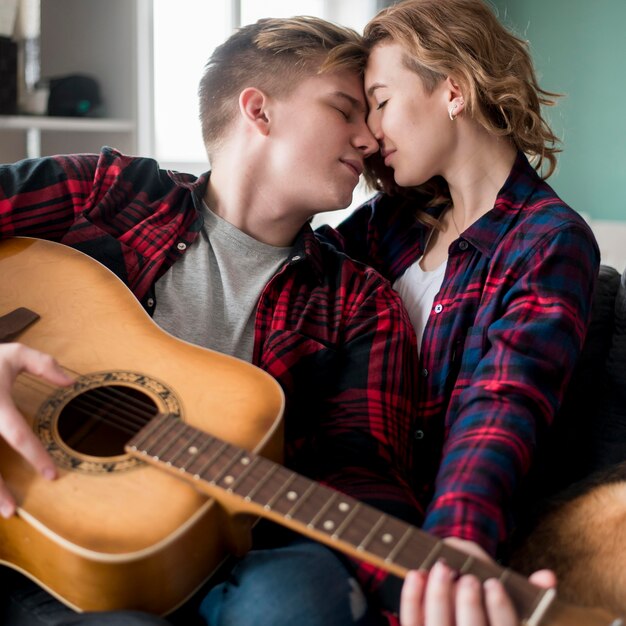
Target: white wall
x=611, y=236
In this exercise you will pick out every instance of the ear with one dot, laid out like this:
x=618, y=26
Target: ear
x=253, y=106
x=455, y=101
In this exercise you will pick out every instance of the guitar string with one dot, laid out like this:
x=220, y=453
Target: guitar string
x=143, y=409
x=139, y=415
x=114, y=400
x=112, y=418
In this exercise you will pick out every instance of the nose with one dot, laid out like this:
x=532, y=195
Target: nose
x=373, y=123
x=365, y=141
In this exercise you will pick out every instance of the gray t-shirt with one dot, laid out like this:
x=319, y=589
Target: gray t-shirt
x=209, y=297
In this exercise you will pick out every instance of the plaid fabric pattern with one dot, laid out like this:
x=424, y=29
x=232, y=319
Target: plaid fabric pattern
x=330, y=330
x=499, y=347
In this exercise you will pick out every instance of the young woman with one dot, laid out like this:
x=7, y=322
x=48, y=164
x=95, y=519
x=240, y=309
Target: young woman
x=496, y=271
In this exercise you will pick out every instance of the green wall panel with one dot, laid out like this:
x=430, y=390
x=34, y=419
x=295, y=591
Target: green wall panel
x=579, y=49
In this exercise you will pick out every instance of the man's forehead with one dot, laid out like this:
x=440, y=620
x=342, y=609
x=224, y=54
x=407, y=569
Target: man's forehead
x=342, y=84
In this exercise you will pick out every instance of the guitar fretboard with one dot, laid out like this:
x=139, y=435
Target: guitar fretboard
x=315, y=510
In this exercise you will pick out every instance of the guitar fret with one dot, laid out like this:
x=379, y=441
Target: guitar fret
x=547, y=598
x=386, y=536
x=394, y=552
x=314, y=505
x=286, y=498
x=210, y=448
x=456, y=559
x=155, y=432
x=270, y=503
x=186, y=446
x=467, y=566
x=262, y=484
x=346, y=521
x=300, y=500
x=529, y=600
x=432, y=556
x=229, y=463
x=371, y=534
x=206, y=443
x=143, y=436
x=250, y=495
x=323, y=510
x=157, y=453
x=180, y=444
x=248, y=467
x=208, y=462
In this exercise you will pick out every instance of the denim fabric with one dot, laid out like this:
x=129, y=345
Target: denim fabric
x=302, y=583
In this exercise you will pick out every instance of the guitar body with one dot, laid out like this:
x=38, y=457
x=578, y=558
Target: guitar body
x=113, y=532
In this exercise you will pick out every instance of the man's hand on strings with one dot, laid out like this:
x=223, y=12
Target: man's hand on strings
x=16, y=359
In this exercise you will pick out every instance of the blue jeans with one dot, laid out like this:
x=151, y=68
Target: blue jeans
x=302, y=583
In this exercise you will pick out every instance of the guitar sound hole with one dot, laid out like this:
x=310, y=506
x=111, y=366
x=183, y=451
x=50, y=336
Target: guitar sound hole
x=100, y=421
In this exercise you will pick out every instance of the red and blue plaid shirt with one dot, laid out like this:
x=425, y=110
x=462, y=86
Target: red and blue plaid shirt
x=331, y=331
x=500, y=344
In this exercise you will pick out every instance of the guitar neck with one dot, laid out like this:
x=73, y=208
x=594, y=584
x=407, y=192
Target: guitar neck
x=267, y=489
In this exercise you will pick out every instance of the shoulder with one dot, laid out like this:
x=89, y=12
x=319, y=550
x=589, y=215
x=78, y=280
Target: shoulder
x=358, y=282
x=548, y=219
x=140, y=173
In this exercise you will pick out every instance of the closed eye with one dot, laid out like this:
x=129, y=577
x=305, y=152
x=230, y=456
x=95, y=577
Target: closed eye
x=380, y=105
x=345, y=114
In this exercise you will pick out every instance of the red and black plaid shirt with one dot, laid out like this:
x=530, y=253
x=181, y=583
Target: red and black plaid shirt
x=331, y=331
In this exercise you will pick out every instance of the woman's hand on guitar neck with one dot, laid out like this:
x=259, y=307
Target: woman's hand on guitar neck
x=440, y=598
x=15, y=359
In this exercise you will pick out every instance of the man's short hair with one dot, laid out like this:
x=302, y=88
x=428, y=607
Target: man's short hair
x=273, y=55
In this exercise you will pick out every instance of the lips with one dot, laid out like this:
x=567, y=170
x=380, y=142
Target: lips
x=355, y=166
x=386, y=154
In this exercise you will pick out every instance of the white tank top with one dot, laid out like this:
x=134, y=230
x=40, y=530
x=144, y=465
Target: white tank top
x=418, y=289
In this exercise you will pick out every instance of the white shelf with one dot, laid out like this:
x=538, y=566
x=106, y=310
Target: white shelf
x=85, y=124
x=76, y=39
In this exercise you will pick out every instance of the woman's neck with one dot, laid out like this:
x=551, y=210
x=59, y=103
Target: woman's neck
x=476, y=176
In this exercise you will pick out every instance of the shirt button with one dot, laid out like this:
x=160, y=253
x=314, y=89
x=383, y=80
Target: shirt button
x=150, y=302
x=181, y=245
x=463, y=245
x=438, y=308
x=425, y=373
x=296, y=258
x=418, y=435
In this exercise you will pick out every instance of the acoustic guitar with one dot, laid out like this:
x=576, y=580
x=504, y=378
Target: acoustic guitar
x=167, y=454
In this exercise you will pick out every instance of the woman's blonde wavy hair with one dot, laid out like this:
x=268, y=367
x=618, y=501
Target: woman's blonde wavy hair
x=464, y=39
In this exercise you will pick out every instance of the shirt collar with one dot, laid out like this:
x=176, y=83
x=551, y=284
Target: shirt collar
x=306, y=245
x=487, y=232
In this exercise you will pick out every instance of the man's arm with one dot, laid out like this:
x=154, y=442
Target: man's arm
x=43, y=197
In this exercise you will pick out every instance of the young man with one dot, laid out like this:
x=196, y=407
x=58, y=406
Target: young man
x=229, y=262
